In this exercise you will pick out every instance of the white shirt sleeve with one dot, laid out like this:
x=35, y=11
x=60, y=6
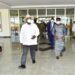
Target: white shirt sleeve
x=21, y=34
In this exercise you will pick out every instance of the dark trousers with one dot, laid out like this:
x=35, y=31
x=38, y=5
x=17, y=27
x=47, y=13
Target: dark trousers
x=25, y=52
x=51, y=39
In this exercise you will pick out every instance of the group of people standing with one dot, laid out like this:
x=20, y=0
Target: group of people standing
x=30, y=32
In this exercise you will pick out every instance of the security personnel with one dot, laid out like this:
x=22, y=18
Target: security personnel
x=28, y=39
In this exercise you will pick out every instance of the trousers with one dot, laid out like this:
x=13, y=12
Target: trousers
x=25, y=52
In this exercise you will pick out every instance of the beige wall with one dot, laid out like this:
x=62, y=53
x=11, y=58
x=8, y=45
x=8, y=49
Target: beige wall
x=5, y=23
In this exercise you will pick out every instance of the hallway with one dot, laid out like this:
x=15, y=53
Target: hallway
x=46, y=64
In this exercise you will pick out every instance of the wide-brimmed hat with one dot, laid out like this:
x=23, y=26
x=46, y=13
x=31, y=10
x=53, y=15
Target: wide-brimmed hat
x=27, y=16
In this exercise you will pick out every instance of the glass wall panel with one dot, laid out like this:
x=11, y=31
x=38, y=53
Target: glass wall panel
x=70, y=11
x=32, y=11
x=59, y=11
x=22, y=12
x=41, y=11
x=17, y=18
x=13, y=12
x=70, y=19
x=50, y=11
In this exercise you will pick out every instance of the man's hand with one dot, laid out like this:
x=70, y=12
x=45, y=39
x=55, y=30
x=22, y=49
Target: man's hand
x=33, y=37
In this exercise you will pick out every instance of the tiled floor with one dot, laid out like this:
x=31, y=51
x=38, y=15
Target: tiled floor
x=46, y=62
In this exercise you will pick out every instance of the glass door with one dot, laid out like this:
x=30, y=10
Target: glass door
x=15, y=27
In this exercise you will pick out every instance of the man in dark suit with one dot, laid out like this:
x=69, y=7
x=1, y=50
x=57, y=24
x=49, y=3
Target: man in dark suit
x=50, y=31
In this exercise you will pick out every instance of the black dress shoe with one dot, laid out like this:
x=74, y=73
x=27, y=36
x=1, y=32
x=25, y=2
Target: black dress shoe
x=57, y=57
x=33, y=61
x=22, y=66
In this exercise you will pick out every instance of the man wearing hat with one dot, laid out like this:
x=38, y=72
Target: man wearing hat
x=28, y=39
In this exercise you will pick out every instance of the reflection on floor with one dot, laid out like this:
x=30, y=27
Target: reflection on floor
x=46, y=62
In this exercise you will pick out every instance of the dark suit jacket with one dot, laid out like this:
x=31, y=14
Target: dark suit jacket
x=50, y=28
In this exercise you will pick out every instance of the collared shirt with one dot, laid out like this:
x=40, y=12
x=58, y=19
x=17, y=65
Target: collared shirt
x=52, y=27
x=52, y=24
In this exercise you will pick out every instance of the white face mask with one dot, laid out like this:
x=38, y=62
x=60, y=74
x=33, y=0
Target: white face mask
x=52, y=20
x=29, y=21
x=58, y=22
x=32, y=21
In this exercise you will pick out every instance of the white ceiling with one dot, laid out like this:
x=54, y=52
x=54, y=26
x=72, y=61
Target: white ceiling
x=14, y=3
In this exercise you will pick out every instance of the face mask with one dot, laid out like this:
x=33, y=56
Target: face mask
x=32, y=21
x=52, y=20
x=58, y=22
x=29, y=21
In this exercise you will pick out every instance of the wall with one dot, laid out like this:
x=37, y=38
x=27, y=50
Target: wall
x=5, y=23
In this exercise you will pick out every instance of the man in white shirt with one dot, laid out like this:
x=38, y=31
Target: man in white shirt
x=28, y=39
